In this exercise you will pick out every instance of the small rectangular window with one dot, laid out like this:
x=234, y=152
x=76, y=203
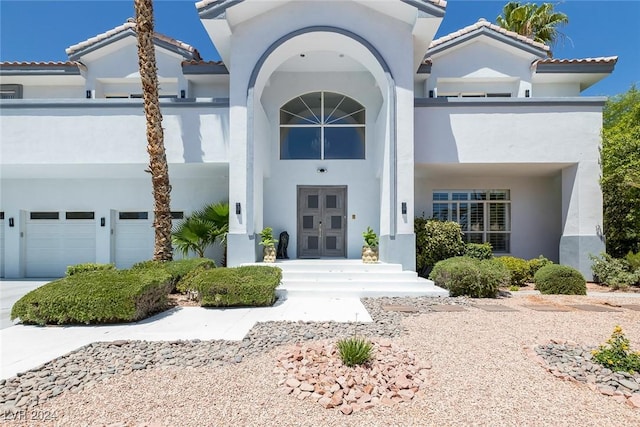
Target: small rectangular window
x=498, y=95
x=177, y=215
x=79, y=215
x=1, y=215
x=133, y=215
x=10, y=91
x=44, y=215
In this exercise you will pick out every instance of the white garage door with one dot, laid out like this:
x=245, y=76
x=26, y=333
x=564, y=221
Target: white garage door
x=54, y=242
x=1, y=244
x=134, y=238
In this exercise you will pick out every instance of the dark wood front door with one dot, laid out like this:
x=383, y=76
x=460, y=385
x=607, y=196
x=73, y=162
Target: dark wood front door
x=322, y=221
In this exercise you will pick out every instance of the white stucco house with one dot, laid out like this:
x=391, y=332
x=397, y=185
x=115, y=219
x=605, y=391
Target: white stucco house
x=323, y=118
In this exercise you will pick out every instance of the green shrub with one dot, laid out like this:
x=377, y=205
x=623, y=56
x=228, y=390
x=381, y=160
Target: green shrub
x=177, y=269
x=234, y=287
x=106, y=296
x=613, y=272
x=478, y=250
x=633, y=260
x=470, y=277
x=536, y=264
x=617, y=355
x=355, y=351
x=560, y=279
x=89, y=266
x=436, y=241
x=519, y=269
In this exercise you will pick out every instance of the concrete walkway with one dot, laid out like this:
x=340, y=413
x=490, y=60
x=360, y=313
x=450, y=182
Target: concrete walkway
x=26, y=347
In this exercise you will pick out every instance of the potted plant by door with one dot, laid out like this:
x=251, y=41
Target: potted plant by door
x=269, y=243
x=370, y=247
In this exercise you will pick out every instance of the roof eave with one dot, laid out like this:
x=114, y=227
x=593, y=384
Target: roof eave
x=484, y=31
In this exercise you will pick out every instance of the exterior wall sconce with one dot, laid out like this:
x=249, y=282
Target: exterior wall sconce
x=527, y=93
x=238, y=210
x=322, y=170
x=183, y=93
x=102, y=222
x=88, y=94
x=11, y=222
x=404, y=208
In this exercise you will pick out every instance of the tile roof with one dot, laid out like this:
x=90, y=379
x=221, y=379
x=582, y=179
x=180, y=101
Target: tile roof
x=130, y=25
x=22, y=64
x=598, y=60
x=483, y=23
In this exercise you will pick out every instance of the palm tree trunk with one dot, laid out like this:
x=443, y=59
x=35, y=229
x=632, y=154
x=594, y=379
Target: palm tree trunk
x=155, y=136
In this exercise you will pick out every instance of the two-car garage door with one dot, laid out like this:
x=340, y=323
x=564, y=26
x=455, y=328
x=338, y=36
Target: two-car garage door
x=55, y=240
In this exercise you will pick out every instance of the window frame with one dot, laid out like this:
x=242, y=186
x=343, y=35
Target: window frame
x=477, y=197
x=322, y=125
x=7, y=88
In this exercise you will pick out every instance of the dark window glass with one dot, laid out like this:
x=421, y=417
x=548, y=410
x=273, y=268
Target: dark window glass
x=1, y=215
x=344, y=143
x=307, y=222
x=332, y=242
x=312, y=201
x=440, y=196
x=177, y=215
x=300, y=143
x=133, y=215
x=79, y=215
x=499, y=242
x=44, y=215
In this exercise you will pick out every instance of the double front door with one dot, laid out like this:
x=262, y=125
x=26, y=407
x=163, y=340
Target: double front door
x=322, y=221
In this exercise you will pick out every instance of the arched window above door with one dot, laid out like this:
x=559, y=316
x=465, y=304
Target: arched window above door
x=322, y=125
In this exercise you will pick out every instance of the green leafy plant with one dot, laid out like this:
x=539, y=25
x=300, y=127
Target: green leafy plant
x=612, y=272
x=355, y=351
x=478, y=250
x=471, y=277
x=536, y=264
x=370, y=238
x=89, y=266
x=266, y=237
x=202, y=229
x=514, y=288
x=246, y=286
x=93, y=297
x=436, y=241
x=560, y=279
x=616, y=354
x=633, y=260
x=518, y=268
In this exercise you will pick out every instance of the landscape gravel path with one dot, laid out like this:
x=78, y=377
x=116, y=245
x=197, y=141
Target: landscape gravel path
x=481, y=373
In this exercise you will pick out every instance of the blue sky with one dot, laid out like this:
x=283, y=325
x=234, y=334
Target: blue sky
x=41, y=30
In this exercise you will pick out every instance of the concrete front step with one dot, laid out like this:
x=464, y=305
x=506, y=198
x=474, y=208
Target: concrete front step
x=350, y=278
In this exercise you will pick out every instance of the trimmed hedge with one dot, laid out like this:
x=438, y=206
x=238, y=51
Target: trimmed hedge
x=89, y=266
x=106, y=296
x=478, y=250
x=518, y=268
x=560, y=279
x=177, y=269
x=252, y=286
x=471, y=277
x=536, y=264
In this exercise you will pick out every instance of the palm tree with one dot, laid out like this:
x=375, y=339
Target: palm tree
x=202, y=229
x=155, y=136
x=537, y=22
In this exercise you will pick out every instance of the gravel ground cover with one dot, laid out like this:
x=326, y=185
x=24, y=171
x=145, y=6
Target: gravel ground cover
x=481, y=373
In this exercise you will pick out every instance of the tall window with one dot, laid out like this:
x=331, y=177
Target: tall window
x=484, y=215
x=322, y=125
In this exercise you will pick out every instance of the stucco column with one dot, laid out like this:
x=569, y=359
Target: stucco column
x=581, y=216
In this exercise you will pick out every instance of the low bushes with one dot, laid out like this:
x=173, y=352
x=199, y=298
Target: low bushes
x=519, y=269
x=436, y=241
x=615, y=273
x=176, y=269
x=89, y=266
x=560, y=279
x=105, y=296
x=471, y=277
x=616, y=354
x=536, y=264
x=234, y=287
x=478, y=250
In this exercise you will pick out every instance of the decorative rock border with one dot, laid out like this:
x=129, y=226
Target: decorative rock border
x=315, y=372
x=572, y=362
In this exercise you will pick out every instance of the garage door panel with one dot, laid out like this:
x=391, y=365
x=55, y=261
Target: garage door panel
x=52, y=245
x=134, y=241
